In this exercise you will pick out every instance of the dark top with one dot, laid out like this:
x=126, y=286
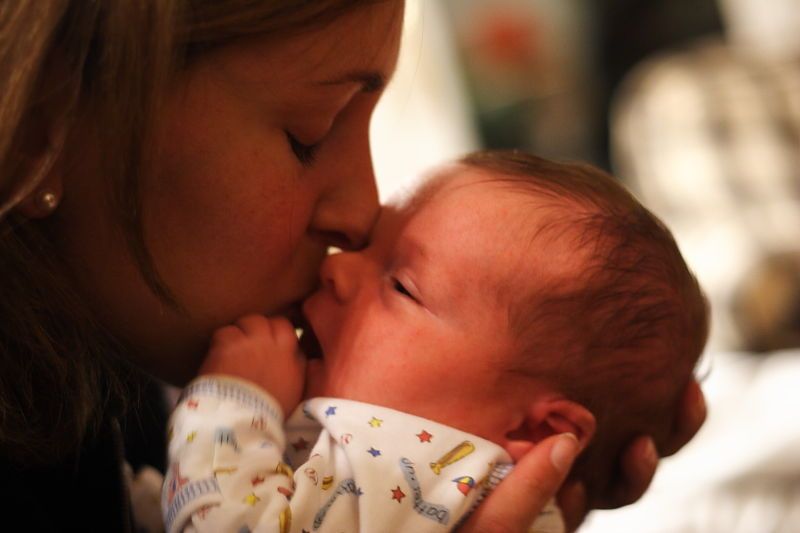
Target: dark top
x=88, y=492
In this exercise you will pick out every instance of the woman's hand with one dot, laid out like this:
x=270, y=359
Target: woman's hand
x=518, y=500
x=638, y=463
x=262, y=350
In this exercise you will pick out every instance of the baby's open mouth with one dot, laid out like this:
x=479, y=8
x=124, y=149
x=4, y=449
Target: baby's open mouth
x=309, y=344
x=307, y=340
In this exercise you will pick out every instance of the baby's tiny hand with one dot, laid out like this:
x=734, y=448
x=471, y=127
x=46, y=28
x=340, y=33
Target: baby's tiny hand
x=262, y=350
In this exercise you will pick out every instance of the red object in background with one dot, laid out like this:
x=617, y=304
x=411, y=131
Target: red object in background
x=507, y=37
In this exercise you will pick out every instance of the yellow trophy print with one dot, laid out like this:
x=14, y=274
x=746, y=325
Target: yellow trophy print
x=454, y=455
x=285, y=520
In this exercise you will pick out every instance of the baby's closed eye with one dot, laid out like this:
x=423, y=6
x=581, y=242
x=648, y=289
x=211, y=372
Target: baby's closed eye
x=398, y=286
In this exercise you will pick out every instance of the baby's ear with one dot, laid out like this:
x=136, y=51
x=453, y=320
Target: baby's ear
x=546, y=417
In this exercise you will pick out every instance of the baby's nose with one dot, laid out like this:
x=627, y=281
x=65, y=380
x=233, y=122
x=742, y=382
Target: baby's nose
x=340, y=273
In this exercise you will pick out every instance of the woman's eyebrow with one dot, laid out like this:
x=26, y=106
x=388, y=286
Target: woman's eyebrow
x=370, y=80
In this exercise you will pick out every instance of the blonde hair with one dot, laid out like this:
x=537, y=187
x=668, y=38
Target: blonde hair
x=107, y=63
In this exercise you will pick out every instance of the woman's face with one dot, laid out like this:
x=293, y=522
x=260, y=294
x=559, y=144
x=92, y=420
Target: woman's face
x=263, y=161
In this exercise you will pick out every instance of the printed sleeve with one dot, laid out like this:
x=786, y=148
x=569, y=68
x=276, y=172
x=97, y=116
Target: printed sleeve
x=226, y=471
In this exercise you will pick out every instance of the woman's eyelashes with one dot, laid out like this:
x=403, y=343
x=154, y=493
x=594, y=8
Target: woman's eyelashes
x=305, y=153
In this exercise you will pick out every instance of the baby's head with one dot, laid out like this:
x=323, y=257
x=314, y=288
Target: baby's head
x=514, y=298
x=619, y=325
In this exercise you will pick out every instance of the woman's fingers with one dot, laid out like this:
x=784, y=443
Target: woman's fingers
x=639, y=463
x=518, y=500
x=573, y=503
x=640, y=459
x=691, y=415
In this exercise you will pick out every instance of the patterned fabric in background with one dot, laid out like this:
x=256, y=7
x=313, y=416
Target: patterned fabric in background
x=709, y=138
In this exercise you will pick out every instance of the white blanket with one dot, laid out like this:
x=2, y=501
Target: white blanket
x=741, y=474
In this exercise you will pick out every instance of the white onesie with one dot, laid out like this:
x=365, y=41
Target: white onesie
x=337, y=465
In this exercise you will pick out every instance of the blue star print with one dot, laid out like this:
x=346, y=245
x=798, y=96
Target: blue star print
x=374, y=452
x=330, y=411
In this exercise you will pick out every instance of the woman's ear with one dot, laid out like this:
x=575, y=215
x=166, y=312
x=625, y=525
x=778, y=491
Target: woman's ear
x=546, y=417
x=38, y=143
x=40, y=146
x=43, y=200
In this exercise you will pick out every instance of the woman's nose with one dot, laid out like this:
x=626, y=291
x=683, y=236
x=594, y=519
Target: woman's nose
x=342, y=273
x=346, y=212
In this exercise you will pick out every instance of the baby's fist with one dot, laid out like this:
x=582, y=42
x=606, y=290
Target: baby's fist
x=262, y=350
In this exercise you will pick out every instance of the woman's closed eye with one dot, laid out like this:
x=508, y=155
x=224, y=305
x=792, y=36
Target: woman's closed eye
x=305, y=153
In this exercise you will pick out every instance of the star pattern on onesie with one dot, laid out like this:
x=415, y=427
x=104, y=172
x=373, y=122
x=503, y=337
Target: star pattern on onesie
x=371, y=434
x=424, y=436
x=251, y=499
x=398, y=494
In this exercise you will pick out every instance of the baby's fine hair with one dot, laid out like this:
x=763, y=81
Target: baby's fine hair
x=621, y=332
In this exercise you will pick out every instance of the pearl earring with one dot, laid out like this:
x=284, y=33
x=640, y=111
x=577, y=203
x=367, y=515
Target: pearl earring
x=47, y=200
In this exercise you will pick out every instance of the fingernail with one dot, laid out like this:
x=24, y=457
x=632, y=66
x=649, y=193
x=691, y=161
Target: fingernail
x=564, y=451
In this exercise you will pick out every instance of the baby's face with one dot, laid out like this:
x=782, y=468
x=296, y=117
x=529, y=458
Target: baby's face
x=415, y=322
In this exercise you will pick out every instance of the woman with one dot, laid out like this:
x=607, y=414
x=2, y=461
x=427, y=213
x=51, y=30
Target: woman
x=166, y=167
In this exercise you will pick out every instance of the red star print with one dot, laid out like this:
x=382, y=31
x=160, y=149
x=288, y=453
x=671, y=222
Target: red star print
x=398, y=494
x=424, y=436
x=258, y=480
x=300, y=444
x=192, y=404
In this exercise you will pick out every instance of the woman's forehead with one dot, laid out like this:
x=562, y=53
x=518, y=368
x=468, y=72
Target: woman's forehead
x=359, y=47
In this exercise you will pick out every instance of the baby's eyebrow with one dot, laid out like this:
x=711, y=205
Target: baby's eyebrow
x=415, y=249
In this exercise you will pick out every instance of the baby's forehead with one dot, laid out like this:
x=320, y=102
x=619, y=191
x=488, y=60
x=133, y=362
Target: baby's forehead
x=465, y=179
x=524, y=230
x=515, y=208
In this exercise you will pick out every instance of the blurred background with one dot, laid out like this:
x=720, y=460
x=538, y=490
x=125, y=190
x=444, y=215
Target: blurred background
x=695, y=106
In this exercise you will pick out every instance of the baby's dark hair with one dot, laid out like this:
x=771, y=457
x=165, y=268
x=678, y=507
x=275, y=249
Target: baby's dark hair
x=621, y=330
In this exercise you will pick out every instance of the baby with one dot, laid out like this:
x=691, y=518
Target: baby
x=508, y=299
